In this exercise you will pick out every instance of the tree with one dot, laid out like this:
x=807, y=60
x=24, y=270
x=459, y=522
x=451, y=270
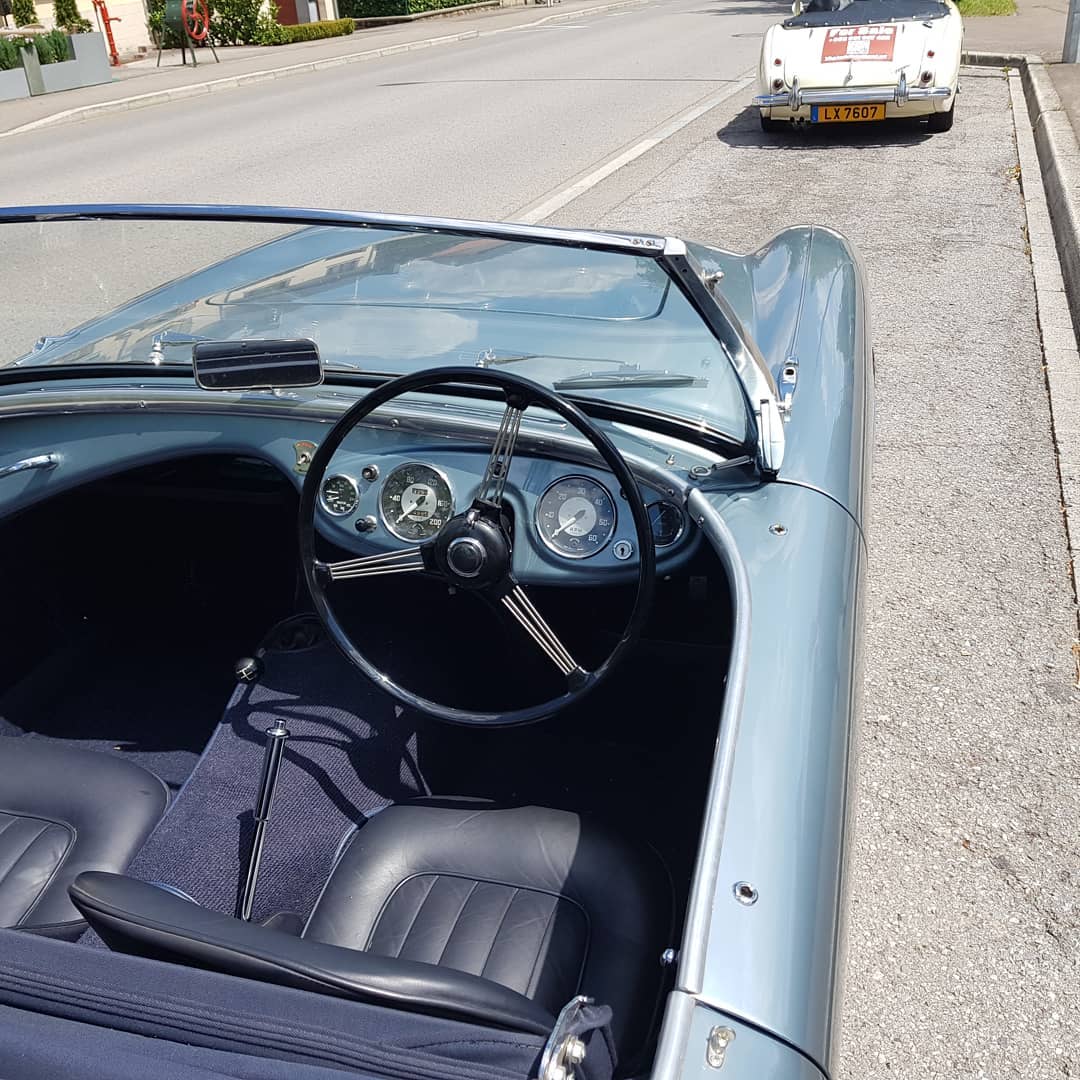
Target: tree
x=24, y=13
x=66, y=14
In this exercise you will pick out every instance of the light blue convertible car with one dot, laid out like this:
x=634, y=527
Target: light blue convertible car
x=431, y=648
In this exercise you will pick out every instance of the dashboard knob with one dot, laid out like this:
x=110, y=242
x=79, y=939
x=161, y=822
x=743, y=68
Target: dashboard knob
x=367, y=524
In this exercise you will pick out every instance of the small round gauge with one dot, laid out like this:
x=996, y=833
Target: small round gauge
x=576, y=517
x=339, y=495
x=416, y=502
x=667, y=523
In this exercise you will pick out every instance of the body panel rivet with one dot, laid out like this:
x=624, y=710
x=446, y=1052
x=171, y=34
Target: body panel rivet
x=778, y=529
x=745, y=893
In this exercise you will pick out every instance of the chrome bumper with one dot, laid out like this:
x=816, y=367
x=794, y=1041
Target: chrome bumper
x=900, y=94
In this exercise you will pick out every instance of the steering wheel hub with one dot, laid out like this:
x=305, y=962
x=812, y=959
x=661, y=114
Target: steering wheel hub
x=466, y=557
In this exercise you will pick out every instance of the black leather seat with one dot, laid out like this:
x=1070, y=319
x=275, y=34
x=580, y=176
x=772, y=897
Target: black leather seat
x=452, y=907
x=541, y=901
x=64, y=810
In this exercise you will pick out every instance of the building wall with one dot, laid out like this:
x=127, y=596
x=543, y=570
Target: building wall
x=132, y=37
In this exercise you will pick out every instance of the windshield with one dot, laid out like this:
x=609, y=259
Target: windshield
x=609, y=325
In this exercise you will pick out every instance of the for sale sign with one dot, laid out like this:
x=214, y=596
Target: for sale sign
x=845, y=43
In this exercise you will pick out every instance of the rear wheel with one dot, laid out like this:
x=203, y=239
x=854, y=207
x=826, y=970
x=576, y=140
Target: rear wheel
x=941, y=121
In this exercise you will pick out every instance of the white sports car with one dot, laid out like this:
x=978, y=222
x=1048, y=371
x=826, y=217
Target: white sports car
x=854, y=60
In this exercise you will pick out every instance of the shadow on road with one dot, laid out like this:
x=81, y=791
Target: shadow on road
x=746, y=7
x=745, y=130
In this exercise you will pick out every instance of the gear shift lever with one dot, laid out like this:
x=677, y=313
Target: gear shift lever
x=276, y=735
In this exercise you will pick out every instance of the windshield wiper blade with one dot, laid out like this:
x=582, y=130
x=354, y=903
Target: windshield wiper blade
x=489, y=359
x=605, y=380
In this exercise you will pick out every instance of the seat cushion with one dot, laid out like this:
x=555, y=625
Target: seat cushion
x=64, y=810
x=542, y=901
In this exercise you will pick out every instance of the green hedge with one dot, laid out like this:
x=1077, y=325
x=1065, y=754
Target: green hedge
x=287, y=35
x=9, y=53
x=53, y=47
x=373, y=9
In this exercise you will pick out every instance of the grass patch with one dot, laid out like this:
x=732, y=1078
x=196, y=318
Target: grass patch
x=986, y=7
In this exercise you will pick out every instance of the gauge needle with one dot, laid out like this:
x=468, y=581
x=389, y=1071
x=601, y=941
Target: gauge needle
x=412, y=506
x=566, y=524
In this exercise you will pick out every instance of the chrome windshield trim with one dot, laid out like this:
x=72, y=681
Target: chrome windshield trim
x=758, y=384
x=636, y=244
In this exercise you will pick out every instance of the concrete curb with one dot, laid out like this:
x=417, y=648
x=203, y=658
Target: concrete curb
x=213, y=86
x=1049, y=157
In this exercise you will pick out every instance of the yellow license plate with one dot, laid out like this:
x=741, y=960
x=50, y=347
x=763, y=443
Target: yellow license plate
x=841, y=114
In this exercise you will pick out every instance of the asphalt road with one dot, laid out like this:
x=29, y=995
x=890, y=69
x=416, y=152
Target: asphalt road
x=965, y=937
x=478, y=129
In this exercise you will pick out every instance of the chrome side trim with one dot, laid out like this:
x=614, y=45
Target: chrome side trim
x=900, y=94
x=695, y=940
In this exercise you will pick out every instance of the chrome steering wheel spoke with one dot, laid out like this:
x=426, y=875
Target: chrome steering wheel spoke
x=502, y=454
x=409, y=560
x=517, y=602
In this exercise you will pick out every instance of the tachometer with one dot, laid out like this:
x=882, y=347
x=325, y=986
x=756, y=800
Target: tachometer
x=416, y=502
x=339, y=495
x=576, y=517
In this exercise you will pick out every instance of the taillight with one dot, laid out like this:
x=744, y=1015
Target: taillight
x=777, y=62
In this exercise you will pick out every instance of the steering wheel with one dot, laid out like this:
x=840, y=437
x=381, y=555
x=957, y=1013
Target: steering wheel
x=474, y=550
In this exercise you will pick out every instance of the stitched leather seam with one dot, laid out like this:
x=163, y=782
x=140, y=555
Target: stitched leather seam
x=73, y=835
x=453, y=925
x=482, y=881
x=498, y=931
x=412, y=921
x=530, y=989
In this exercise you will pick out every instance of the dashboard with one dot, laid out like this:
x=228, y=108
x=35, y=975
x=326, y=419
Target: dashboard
x=571, y=524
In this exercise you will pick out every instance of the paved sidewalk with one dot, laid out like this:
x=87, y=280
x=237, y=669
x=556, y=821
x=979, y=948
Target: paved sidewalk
x=1037, y=29
x=152, y=85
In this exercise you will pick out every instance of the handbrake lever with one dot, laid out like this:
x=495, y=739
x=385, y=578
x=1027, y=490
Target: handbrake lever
x=276, y=735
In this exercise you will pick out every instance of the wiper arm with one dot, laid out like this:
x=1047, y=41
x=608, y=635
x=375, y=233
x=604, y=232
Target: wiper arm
x=165, y=338
x=489, y=359
x=631, y=377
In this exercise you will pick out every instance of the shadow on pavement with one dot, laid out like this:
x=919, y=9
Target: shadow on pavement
x=749, y=7
x=745, y=130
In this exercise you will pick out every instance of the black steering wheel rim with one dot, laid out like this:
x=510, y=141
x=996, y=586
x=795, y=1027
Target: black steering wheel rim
x=515, y=388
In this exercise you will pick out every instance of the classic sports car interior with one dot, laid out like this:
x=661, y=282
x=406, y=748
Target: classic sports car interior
x=411, y=753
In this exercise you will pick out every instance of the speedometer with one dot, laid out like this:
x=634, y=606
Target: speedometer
x=416, y=502
x=576, y=517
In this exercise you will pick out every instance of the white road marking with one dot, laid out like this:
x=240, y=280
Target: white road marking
x=534, y=213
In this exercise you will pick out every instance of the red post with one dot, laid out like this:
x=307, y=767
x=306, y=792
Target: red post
x=104, y=21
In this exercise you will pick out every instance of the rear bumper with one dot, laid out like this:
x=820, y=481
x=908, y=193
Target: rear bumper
x=900, y=94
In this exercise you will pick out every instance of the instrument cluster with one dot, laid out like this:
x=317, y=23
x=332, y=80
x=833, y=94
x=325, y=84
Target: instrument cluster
x=566, y=518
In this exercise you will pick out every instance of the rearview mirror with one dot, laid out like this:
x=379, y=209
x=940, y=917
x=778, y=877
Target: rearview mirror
x=256, y=365
x=796, y=8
